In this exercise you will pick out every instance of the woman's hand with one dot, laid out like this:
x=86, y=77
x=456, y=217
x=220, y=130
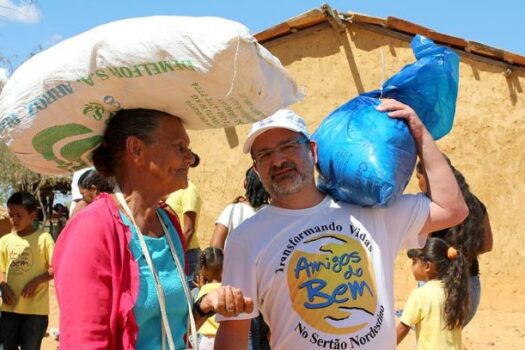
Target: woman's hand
x=227, y=301
x=400, y=110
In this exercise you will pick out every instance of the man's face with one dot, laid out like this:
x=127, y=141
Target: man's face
x=284, y=161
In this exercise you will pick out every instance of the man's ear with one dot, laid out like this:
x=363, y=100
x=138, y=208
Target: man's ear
x=313, y=149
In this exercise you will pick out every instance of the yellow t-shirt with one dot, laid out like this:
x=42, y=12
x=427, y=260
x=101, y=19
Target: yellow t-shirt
x=183, y=201
x=23, y=258
x=209, y=327
x=425, y=310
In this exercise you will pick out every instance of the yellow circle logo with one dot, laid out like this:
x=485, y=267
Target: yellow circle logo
x=332, y=284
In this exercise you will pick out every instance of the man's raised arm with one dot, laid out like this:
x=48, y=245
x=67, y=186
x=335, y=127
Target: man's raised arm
x=448, y=208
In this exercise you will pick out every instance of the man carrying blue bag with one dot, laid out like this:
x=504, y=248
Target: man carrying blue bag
x=321, y=271
x=366, y=158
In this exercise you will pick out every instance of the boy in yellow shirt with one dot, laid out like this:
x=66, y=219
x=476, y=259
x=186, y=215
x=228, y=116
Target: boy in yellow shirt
x=25, y=271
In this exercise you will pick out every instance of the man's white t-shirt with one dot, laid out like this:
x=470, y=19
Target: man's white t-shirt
x=323, y=276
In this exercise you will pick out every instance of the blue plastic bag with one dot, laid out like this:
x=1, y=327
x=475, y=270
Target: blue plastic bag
x=367, y=158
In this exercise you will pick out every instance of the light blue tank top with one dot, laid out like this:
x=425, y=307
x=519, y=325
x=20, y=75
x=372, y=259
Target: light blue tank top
x=147, y=309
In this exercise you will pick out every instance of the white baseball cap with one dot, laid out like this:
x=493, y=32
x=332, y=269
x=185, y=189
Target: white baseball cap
x=283, y=118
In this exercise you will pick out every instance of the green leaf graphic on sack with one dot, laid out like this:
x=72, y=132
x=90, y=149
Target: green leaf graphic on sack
x=67, y=145
x=97, y=111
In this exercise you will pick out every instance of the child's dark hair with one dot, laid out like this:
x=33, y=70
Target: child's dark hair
x=451, y=268
x=24, y=199
x=255, y=192
x=211, y=259
x=94, y=178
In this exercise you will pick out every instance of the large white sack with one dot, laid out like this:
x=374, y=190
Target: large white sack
x=208, y=71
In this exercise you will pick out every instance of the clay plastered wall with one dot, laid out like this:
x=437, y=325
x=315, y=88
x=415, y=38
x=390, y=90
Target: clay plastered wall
x=486, y=144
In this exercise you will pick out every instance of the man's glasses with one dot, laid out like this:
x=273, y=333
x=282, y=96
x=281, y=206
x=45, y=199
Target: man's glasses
x=288, y=148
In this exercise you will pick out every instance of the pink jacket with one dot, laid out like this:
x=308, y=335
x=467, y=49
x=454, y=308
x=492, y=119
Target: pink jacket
x=96, y=280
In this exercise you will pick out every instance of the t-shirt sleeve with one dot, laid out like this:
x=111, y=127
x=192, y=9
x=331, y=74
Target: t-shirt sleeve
x=404, y=220
x=75, y=190
x=239, y=271
x=413, y=312
x=224, y=218
x=3, y=255
x=191, y=200
x=49, y=246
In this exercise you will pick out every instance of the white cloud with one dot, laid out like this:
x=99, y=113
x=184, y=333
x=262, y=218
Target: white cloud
x=23, y=11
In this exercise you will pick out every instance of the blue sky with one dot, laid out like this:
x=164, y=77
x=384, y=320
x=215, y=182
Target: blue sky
x=25, y=26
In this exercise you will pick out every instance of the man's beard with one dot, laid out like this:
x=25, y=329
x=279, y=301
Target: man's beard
x=290, y=183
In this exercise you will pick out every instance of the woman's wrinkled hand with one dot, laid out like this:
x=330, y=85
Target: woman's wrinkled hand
x=227, y=301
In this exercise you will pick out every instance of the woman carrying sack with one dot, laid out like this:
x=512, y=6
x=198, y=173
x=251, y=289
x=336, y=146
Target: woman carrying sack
x=119, y=263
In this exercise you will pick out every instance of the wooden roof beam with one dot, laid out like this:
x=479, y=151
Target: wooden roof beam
x=412, y=28
x=303, y=21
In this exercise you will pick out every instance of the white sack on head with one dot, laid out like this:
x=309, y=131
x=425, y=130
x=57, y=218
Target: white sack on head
x=208, y=71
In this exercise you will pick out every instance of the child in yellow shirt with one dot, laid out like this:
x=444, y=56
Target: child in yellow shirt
x=210, y=270
x=25, y=270
x=439, y=309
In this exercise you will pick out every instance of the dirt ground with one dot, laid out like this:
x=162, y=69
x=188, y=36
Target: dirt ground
x=490, y=329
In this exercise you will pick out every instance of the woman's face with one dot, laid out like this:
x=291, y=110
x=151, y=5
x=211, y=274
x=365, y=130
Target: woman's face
x=168, y=158
x=89, y=194
x=422, y=181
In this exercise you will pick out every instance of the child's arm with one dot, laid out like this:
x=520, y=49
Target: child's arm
x=31, y=286
x=8, y=296
x=402, y=331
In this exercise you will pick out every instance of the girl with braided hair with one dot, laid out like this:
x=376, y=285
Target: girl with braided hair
x=210, y=271
x=440, y=308
x=473, y=236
